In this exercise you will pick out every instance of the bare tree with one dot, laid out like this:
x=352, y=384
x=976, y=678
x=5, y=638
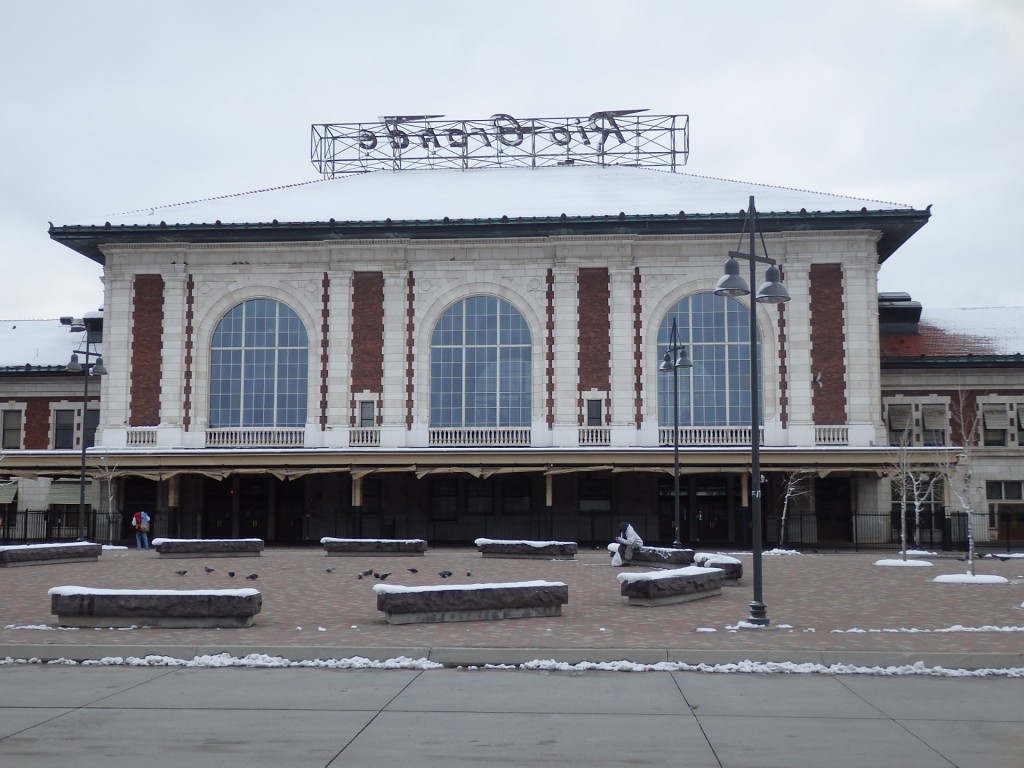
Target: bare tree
x=107, y=473
x=959, y=471
x=798, y=484
x=900, y=471
x=912, y=485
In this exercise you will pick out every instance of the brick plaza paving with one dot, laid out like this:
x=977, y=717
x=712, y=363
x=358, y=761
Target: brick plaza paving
x=827, y=608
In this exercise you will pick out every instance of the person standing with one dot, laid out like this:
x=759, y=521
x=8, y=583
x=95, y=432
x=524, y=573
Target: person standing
x=140, y=522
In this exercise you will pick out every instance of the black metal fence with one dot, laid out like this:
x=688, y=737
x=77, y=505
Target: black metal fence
x=807, y=532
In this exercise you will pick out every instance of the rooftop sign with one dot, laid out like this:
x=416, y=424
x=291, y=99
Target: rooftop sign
x=615, y=137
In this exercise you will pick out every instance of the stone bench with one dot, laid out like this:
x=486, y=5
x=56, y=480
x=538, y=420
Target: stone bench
x=204, y=608
x=470, y=602
x=373, y=547
x=658, y=557
x=732, y=567
x=522, y=548
x=175, y=548
x=679, y=585
x=47, y=554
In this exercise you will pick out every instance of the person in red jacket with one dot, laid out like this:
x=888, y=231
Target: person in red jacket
x=140, y=522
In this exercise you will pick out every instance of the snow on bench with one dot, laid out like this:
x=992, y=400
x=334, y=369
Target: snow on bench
x=732, y=567
x=658, y=557
x=665, y=587
x=470, y=602
x=524, y=548
x=186, y=608
x=373, y=547
x=175, y=548
x=48, y=554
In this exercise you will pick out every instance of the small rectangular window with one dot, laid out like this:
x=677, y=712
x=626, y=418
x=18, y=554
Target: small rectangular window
x=595, y=496
x=64, y=429
x=92, y=421
x=367, y=417
x=934, y=424
x=901, y=424
x=995, y=423
x=11, y=430
x=594, y=413
x=444, y=499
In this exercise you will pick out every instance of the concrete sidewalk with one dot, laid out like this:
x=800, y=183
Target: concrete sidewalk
x=109, y=717
x=829, y=608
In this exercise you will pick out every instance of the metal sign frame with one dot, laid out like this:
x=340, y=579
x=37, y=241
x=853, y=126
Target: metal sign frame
x=420, y=142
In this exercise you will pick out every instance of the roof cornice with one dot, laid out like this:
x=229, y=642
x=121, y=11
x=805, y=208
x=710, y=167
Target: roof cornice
x=896, y=227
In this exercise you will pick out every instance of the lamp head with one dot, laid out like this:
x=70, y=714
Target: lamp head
x=731, y=283
x=772, y=291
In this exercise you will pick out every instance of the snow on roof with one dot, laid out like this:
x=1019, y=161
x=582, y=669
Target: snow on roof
x=492, y=193
x=39, y=343
x=975, y=331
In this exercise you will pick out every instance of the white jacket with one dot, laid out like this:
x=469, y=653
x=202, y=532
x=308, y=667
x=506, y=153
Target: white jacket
x=631, y=537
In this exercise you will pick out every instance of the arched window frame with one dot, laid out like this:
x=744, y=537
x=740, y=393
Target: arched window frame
x=490, y=333
x=259, y=366
x=716, y=390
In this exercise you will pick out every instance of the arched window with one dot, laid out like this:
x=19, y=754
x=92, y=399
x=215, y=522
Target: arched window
x=480, y=366
x=258, y=367
x=716, y=390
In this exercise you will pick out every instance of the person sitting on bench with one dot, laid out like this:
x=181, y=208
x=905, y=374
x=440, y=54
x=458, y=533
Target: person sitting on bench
x=629, y=542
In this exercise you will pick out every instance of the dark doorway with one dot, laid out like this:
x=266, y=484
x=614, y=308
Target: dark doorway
x=833, y=509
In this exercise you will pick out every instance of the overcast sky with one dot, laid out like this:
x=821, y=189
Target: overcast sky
x=112, y=106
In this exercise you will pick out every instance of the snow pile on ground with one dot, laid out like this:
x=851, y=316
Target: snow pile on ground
x=259, y=660
x=899, y=563
x=940, y=630
x=967, y=578
x=768, y=667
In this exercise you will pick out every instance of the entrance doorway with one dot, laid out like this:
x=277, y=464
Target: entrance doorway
x=833, y=509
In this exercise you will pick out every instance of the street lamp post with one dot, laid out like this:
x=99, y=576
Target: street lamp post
x=674, y=359
x=772, y=291
x=92, y=324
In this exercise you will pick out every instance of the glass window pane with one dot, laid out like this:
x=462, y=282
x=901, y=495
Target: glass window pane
x=480, y=365
x=716, y=390
x=259, y=360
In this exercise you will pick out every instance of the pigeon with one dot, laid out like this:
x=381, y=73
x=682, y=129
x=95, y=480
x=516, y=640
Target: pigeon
x=331, y=569
x=252, y=577
x=383, y=576
x=181, y=573
x=368, y=572
x=469, y=573
x=208, y=569
x=444, y=574
x=376, y=575
x=231, y=574
x=413, y=570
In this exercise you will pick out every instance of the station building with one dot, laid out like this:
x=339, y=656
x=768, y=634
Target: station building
x=448, y=354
